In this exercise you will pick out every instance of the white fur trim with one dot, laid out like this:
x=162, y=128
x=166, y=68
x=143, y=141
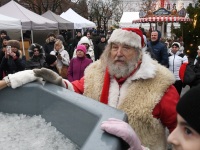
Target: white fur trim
x=22, y=77
x=125, y=37
x=147, y=68
x=70, y=86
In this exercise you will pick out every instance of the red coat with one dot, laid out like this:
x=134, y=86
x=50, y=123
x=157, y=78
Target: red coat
x=165, y=110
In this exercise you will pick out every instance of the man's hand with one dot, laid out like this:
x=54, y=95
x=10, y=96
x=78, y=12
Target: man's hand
x=18, y=79
x=49, y=76
x=123, y=130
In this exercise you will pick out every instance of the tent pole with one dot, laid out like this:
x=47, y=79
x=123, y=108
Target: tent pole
x=32, y=36
x=22, y=42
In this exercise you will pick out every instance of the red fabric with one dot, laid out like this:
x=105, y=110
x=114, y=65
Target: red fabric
x=105, y=90
x=165, y=110
x=182, y=71
x=138, y=32
x=78, y=85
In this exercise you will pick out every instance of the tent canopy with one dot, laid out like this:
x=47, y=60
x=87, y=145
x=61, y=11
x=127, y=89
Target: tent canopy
x=9, y=23
x=79, y=21
x=62, y=23
x=29, y=19
x=127, y=18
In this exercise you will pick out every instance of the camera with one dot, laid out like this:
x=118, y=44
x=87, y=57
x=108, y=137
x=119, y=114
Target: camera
x=57, y=53
x=8, y=48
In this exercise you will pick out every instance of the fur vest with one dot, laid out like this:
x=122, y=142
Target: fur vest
x=143, y=91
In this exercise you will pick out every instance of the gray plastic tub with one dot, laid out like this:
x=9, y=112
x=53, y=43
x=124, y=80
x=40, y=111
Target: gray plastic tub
x=76, y=116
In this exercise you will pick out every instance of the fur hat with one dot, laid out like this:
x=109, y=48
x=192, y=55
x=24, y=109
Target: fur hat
x=35, y=45
x=177, y=44
x=188, y=108
x=82, y=48
x=50, y=59
x=129, y=36
x=14, y=43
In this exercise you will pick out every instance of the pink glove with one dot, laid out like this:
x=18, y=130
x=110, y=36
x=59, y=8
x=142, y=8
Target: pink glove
x=123, y=130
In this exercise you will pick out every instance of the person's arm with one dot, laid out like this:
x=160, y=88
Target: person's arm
x=165, y=110
x=70, y=71
x=18, y=79
x=164, y=56
x=2, y=84
x=65, y=58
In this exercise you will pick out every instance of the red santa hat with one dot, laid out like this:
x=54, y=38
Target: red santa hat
x=129, y=36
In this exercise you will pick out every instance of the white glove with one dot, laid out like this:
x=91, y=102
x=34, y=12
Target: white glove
x=123, y=130
x=19, y=78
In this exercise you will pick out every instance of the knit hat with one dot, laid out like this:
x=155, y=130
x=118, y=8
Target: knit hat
x=177, y=44
x=188, y=107
x=129, y=36
x=50, y=59
x=82, y=48
x=84, y=39
x=14, y=43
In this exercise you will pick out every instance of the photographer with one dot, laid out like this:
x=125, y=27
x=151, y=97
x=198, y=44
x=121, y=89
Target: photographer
x=13, y=61
x=62, y=58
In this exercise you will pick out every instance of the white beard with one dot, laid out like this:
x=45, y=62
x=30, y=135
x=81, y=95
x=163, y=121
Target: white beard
x=123, y=70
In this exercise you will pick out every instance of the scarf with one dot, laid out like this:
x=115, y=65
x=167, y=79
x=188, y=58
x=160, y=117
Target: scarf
x=106, y=84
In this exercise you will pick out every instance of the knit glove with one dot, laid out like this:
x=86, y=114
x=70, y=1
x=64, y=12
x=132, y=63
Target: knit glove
x=123, y=130
x=49, y=76
x=20, y=78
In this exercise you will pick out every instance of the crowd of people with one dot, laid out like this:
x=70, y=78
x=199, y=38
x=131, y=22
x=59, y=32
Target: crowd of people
x=68, y=61
x=130, y=73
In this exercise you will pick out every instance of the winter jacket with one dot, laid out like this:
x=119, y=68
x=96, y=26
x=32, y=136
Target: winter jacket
x=175, y=62
x=65, y=57
x=77, y=67
x=160, y=52
x=11, y=65
x=48, y=47
x=100, y=48
x=148, y=98
x=35, y=62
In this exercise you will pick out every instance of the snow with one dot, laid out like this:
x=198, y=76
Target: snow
x=22, y=132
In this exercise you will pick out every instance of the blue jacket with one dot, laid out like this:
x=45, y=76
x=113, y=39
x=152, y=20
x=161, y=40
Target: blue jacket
x=160, y=52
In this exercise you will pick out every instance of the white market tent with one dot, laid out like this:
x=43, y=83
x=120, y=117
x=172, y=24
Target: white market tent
x=128, y=17
x=7, y=23
x=79, y=21
x=62, y=23
x=29, y=19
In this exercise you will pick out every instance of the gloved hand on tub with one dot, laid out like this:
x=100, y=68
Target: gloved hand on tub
x=123, y=130
x=49, y=76
x=20, y=78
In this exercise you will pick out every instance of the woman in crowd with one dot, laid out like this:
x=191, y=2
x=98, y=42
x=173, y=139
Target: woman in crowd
x=176, y=59
x=62, y=58
x=90, y=52
x=13, y=61
x=37, y=57
x=78, y=64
